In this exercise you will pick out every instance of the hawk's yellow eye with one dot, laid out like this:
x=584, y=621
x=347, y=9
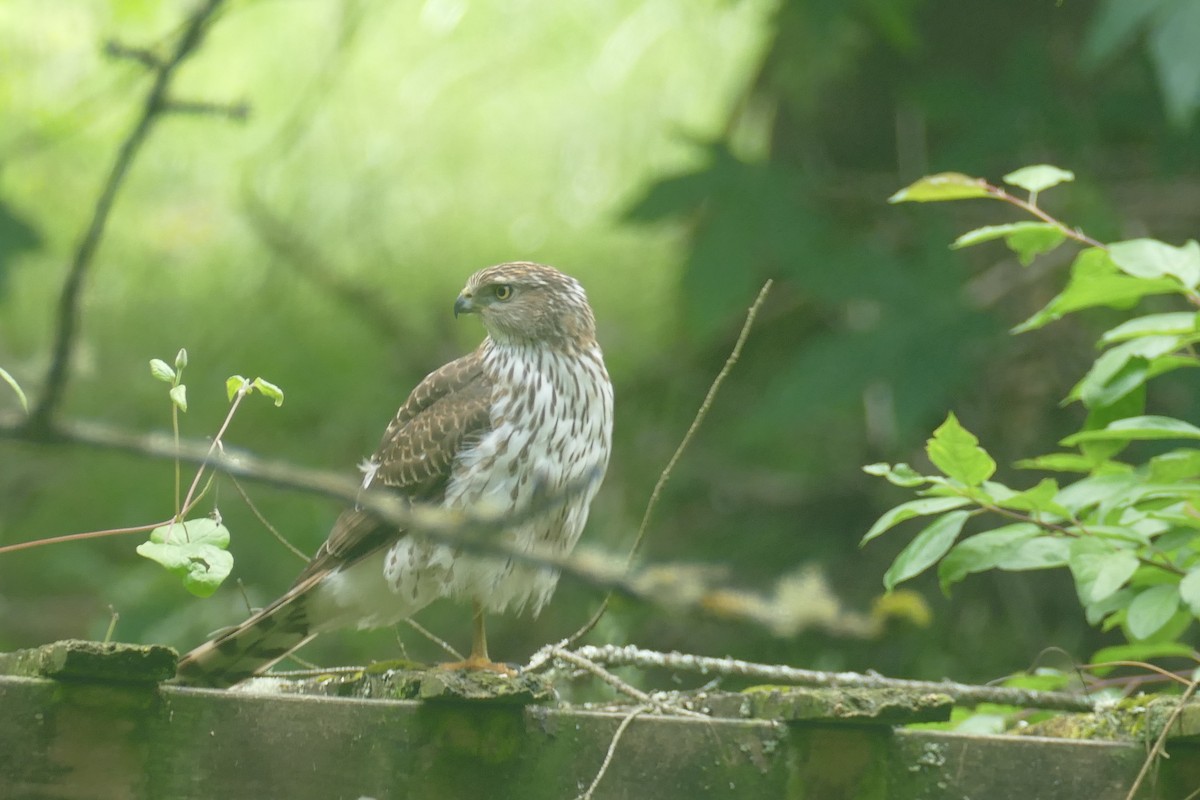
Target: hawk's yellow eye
x=503, y=291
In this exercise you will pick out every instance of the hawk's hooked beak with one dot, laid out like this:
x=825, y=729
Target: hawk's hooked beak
x=465, y=304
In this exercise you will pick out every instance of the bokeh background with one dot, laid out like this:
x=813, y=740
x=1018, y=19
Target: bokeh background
x=672, y=154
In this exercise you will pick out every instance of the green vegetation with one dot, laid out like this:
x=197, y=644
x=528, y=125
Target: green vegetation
x=673, y=155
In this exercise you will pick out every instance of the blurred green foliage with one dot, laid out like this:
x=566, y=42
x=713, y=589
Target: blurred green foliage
x=672, y=155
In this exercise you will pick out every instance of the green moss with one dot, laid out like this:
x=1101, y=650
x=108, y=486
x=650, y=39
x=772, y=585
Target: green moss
x=74, y=659
x=1133, y=719
x=792, y=703
x=432, y=684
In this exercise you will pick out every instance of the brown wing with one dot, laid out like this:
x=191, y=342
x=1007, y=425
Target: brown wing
x=446, y=412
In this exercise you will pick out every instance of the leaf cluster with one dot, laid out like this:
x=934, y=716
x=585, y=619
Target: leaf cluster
x=1128, y=531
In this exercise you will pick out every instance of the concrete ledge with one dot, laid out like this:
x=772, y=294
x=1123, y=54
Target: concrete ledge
x=107, y=735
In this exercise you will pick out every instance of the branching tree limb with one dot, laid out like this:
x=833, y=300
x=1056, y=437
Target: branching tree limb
x=156, y=103
x=797, y=604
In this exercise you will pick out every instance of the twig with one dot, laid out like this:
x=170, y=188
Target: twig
x=612, y=748
x=75, y=537
x=962, y=693
x=1160, y=742
x=265, y=522
x=698, y=420
x=1163, y=674
x=114, y=615
x=433, y=637
x=238, y=112
x=586, y=663
x=665, y=475
x=1032, y=208
x=68, y=304
x=142, y=55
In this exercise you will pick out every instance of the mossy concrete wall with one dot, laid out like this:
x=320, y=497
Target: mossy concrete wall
x=75, y=737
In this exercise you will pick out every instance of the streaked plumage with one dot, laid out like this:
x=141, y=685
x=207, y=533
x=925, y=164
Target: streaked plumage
x=527, y=413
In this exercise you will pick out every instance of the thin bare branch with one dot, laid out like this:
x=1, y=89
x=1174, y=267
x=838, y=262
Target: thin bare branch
x=612, y=748
x=142, y=55
x=265, y=522
x=583, y=662
x=962, y=694
x=67, y=319
x=238, y=112
x=75, y=537
x=665, y=475
x=433, y=637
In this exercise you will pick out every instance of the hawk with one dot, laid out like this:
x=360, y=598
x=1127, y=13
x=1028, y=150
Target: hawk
x=527, y=414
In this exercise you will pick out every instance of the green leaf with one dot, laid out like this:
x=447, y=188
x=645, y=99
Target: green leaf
x=1189, y=590
x=1026, y=239
x=194, y=550
x=1151, y=610
x=1042, y=552
x=913, y=508
x=16, y=387
x=943, y=186
x=1114, y=26
x=1087, y=492
x=1137, y=428
x=1031, y=242
x=1109, y=612
x=1150, y=258
x=1173, y=323
x=926, y=547
x=1131, y=404
x=1120, y=370
x=956, y=452
x=162, y=370
x=1098, y=575
x=179, y=396
x=1171, y=41
x=181, y=359
x=1038, y=498
x=233, y=385
x=983, y=551
x=1039, y=177
x=1058, y=462
x=270, y=390
x=1096, y=281
x=900, y=474
x=1177, y=465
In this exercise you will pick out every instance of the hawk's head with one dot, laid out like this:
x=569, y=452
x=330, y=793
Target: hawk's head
x=522, y=302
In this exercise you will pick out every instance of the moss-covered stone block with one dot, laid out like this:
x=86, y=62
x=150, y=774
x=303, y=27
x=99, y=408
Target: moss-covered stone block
x=432, y=684
x=74, y=659
x=795, y=703
x=1135, y=719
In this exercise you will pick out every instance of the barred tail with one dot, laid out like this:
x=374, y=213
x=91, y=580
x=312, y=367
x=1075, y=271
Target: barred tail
x=251, y=647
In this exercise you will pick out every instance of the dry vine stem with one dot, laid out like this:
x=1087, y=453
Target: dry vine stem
x=665, y=475
x=612, y=748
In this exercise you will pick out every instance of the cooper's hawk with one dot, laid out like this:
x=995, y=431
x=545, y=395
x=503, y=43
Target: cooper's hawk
x=528, y=414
